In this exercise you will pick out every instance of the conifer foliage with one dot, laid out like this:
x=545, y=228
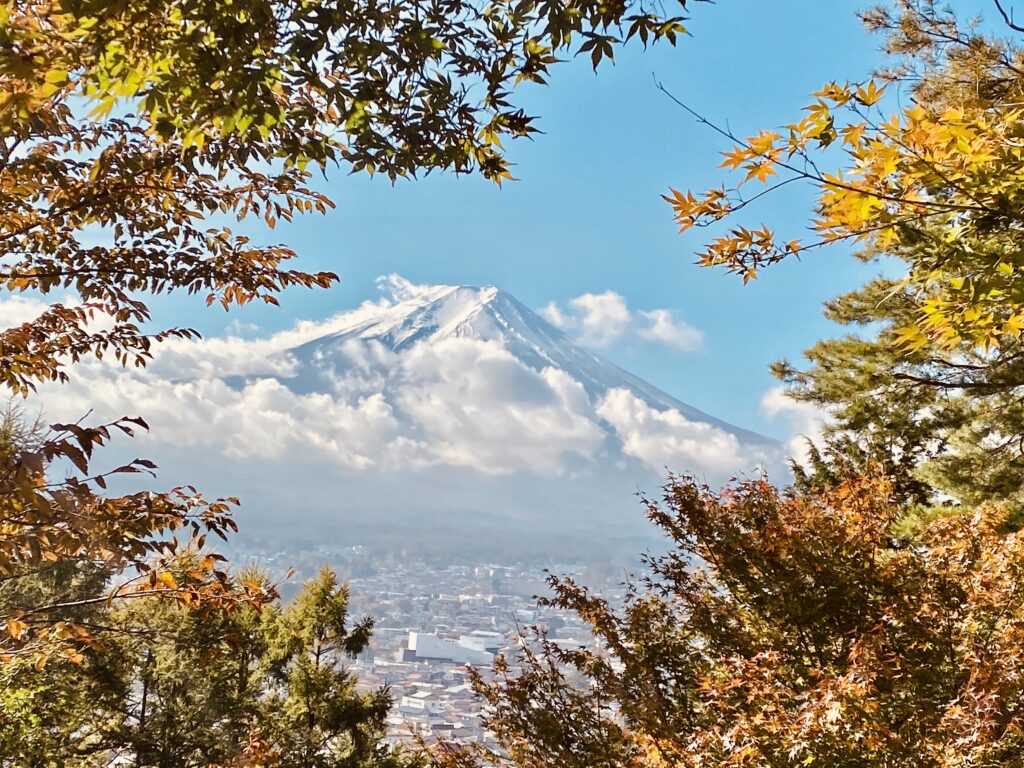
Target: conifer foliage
x=175, y=688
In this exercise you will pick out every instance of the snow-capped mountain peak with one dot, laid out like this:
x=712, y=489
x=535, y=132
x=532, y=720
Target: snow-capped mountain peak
x=436, y=313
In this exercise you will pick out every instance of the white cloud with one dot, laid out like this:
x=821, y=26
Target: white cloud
x=458, y=402
x=601, y=319
x=455, y=402
x=556, y=317
x=474, y=405
x=237, y=328
x=18, y=309
x=804, y=421
x=397, y=288
x=664, y=328
x=667, y=439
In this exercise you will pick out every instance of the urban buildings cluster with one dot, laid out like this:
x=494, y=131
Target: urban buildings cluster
x=433, y=620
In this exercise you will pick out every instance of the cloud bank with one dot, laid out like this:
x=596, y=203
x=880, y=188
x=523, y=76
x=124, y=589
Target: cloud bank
x=804, y=421
x=453, y=402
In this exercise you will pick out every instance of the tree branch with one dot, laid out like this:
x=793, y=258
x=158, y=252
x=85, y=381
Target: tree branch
x=1007, y=17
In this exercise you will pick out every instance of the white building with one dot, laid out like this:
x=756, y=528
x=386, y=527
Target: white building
x=421, y=702
x=481, y=640
x=424, y=647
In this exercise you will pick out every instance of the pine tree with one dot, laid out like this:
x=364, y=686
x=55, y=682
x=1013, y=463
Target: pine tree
x=172, y=687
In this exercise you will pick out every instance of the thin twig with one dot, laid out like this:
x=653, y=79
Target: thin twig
x=1008, y=17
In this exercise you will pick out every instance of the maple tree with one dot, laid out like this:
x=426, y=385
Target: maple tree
x=870, y=614
x=831, y=628
x=127, y=126
x=935, y=183
x=55, y=529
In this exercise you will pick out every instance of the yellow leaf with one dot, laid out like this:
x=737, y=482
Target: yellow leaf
x=735, y=158
x=761, y=172
x=870, y=95
x=16, y=628
x=853, y=134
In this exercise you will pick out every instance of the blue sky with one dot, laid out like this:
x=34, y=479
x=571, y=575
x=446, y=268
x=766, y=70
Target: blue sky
x=586, y=216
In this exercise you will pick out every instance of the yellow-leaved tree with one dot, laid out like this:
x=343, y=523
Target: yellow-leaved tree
x=923, y=164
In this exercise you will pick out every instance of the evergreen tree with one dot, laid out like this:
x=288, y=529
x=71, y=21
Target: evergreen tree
x=314, y=716
x=53, y=713
x=173, y=687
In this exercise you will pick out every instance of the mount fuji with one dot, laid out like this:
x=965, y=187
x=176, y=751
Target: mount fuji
x=491, y=316
x=453, y=415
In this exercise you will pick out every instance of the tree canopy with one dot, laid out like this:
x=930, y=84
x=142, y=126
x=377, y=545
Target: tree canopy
x=928, y=383
x=869, y=614
x=175, y=688
x=933, y=183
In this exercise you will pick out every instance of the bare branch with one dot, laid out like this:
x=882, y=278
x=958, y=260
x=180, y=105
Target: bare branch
x=1008, y=17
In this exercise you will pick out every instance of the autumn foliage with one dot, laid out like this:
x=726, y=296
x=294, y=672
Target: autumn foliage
x=920, y=165
x=133, y=138
x=173, y=687
x=817, y=630
x=56, y=527
x=871, y=614
x=934, y=182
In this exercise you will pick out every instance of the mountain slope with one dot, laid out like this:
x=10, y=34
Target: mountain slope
x=489, y=315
